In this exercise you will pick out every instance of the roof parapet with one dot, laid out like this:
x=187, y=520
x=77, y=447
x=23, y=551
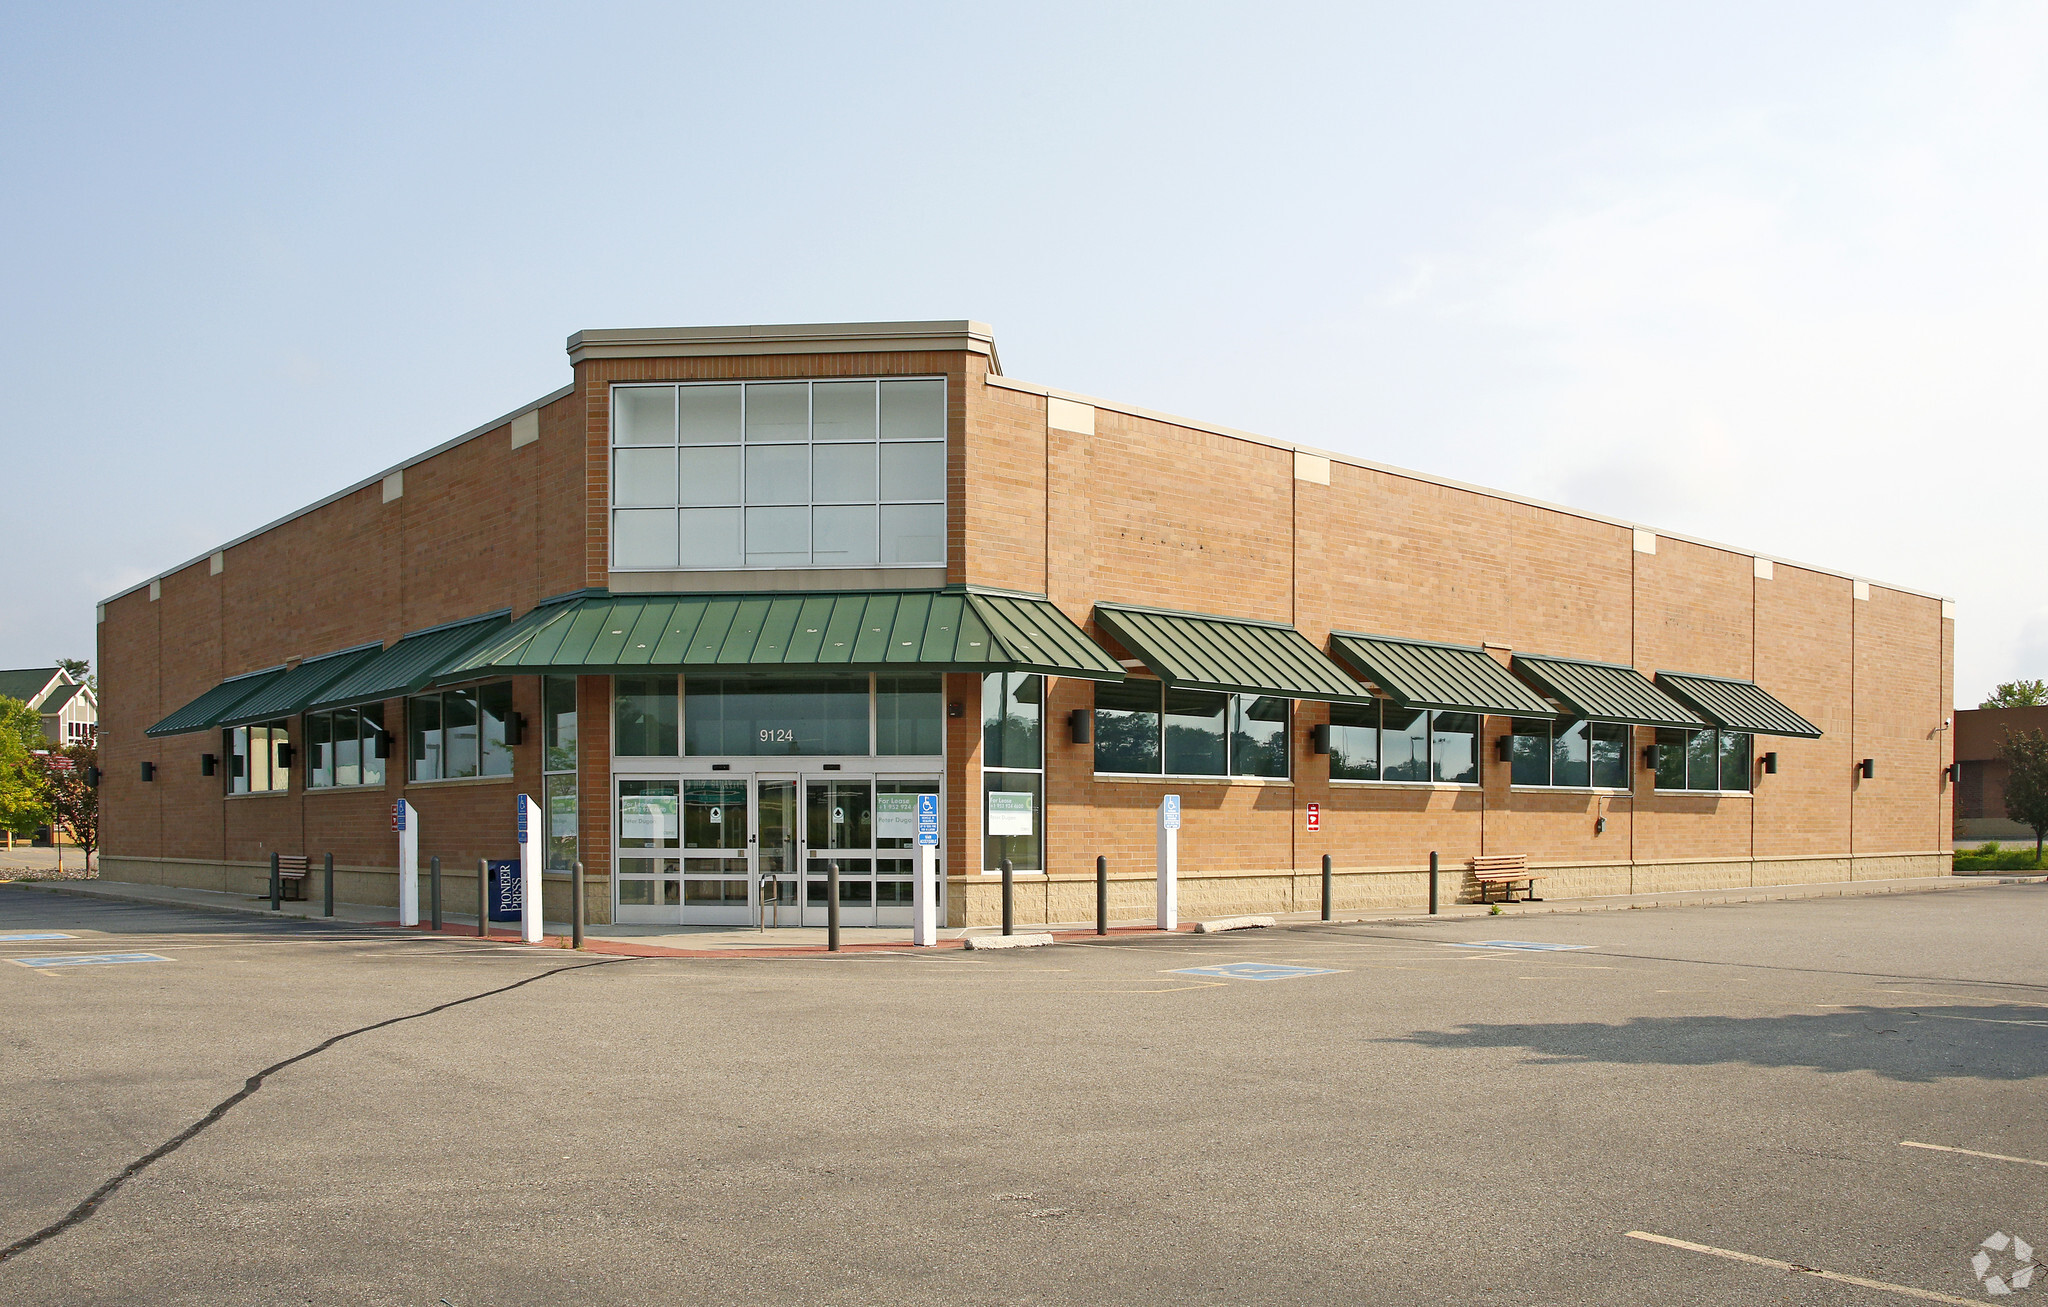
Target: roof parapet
x=787, y=338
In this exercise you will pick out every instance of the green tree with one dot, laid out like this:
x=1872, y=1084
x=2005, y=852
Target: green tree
x=23, y=805
x=2026, y=788
x=69, y=790
x=81, y=671
x=2018, y=694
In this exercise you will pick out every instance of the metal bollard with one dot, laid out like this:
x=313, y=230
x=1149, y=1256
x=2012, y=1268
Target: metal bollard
x=576, y=906
x=832, y=905
x=276, y=886
x=1101, y=895
x=1326, y=887
x=1432, y=882
x=434, y=891
x=483, y=897
x=327, y=886
x=1009, y=899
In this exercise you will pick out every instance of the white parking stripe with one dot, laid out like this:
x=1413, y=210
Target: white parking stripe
x=1906, y=1289
x=1970, y=1152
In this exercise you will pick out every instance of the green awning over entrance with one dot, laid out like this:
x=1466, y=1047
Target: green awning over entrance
x=1198, y=652
x=844, y=630
x=209, y=708
x=1455, y=677
x=410, y=665
x=1608, y=692
x=1737, y=705
x=288, y=695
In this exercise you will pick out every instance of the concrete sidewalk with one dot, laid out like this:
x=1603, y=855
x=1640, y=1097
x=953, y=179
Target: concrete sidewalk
x=715, y=941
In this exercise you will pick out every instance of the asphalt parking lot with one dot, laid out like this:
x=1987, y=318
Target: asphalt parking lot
x=1411, y=1121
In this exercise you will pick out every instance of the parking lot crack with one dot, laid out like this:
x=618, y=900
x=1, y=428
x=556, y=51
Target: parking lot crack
x=255, y=1082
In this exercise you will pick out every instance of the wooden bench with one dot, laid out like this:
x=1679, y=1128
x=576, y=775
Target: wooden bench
x=1505, y=870
x=291, y=875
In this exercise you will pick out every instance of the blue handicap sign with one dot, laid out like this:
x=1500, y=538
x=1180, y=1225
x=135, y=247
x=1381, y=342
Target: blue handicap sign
x=89, y=959
x=927, y=819
x=521, y=805
x=1171, y=811
x=1520, y=946
x=505, y=889
x=1256, y=971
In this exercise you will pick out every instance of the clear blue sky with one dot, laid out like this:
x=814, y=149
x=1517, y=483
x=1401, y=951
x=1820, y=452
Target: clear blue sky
x=1769, y=274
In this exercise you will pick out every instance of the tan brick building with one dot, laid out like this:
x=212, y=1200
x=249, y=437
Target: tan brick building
x=727, y=602
x=1981, y=773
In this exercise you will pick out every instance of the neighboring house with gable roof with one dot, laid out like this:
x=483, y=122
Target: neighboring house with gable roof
x=68, y=707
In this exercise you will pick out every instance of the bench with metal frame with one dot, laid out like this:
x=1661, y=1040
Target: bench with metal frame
x=292, y=874
x=1505, y=870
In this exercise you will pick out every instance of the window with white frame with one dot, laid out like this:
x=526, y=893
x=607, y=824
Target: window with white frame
x=779, y=474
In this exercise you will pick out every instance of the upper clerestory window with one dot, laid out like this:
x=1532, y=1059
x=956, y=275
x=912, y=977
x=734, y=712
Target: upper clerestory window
x=779, y=474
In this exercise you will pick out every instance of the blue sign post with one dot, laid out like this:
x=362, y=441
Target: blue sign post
x=924, y=885
x=928, y=819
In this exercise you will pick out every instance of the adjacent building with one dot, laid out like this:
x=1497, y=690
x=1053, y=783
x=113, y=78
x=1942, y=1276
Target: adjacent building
x=67, y=705
x=1981, y=773
x=728, y=602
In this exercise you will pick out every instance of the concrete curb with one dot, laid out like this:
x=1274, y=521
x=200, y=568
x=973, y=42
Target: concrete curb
x=1232, y=923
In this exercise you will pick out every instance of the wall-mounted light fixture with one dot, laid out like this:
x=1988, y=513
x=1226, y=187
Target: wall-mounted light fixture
x=285, y=754
x=1649, y=757
x=956, y=709
x=92, y=777
x=381, y=742
x=1504, y=748
x=1319, y=738
x=148, y=771
x=1867, y=768
x=1600, y=826
x=515, y=728
x=1953, y=772
x=208, y=761
x=1770, y=762
x=1080, y=723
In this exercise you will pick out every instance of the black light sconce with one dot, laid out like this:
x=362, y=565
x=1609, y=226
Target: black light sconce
x=381, y=744
x=1867, y=768
x=1649, y=757
x=515, y=728
x=92, y=777
x=1953, y=772
x=1770, y=763
x=209, y=761
x=285, y=754
x=956, y=709
x=1319, y=738
x=1080, y=723
x=1504, y=748
x=148, y=774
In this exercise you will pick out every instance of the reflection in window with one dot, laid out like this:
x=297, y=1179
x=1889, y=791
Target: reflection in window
x=1575, y=753
x=346, y=747
x=1355, y=741
x=1383, y=741
x=1011, y=708
x=450, y=738
x=1143, y=728
x=762, y=716
x=1707, y=760
x=644, y=712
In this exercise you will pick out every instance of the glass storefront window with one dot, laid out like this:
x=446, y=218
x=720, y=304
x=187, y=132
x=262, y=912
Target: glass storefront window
x=910, y=715
x=1404, y=743
x=1530, y=752
x=1354, y=741
x=1011, y=711
x=645, y=716
x=1571, y=759
x=775, y=716
x=1454, y=747
x=1735, y=764
x=1610, y=755
x=1258, y=735
x=1670, y=759
x=1127, y=727
x=1708, y=760
x=560, y=801
x=1194, y=721
x=494, y=704
x=459, y=733
x=1013, y=808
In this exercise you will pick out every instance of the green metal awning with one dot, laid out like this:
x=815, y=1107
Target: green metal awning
x=1456, y=677
x=1608, y=692
x=288, y=695
x=841, y=630
x=208, y=709
x=1236, y=655
x=410, y=665
x=1737, y=705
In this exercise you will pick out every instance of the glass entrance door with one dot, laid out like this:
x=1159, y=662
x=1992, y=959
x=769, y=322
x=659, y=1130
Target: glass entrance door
x=775, y=853
x=715, y=853
x=839, y=831
x=650, y=866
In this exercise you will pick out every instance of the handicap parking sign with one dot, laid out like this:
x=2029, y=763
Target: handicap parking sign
x=928, y=819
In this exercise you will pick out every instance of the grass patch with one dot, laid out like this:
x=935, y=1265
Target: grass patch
x=1991, y=857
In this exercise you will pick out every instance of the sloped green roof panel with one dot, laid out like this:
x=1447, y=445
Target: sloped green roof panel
x=208, y=709
x=410, y=665
x=1235, y=655
x=288, y=695
x=1737, y=705
x=854, y=630
x=1454, y=677
x=1608, y=692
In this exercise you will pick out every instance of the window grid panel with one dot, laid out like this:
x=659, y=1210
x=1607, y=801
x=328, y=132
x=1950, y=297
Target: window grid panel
x=705, y=469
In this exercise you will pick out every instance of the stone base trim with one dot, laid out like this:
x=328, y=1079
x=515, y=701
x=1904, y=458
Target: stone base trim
x=978, y=901
x=369, y=886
